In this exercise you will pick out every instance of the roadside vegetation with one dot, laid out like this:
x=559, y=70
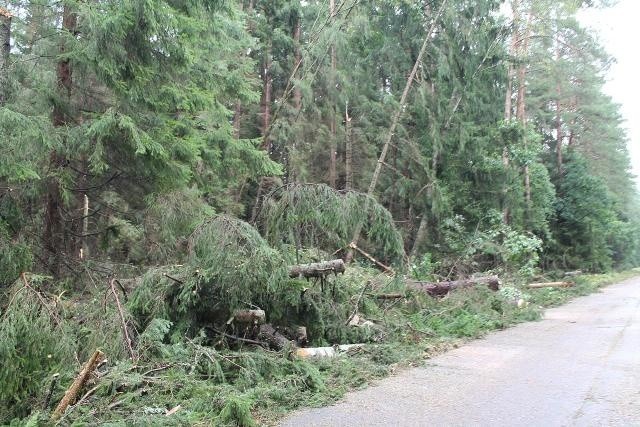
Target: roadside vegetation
x=213, y=212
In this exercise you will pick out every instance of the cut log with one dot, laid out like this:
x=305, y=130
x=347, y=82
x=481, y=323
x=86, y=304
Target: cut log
x=273, y=338
x=317, y=269
x=550, y=285
x=443, y=288
x=256, y=317
x=82, y=378
x=336, y=350
x=295, y=333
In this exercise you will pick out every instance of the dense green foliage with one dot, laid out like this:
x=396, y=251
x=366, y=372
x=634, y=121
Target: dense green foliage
x=194, y=149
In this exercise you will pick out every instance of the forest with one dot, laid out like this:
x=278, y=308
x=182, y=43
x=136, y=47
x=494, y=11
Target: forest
x=192, y=192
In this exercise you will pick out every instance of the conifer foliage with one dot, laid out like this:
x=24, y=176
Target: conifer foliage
x=164, y=162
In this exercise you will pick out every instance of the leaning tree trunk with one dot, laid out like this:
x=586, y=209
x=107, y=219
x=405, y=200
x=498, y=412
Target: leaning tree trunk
x=5, y=49
x=394, y=123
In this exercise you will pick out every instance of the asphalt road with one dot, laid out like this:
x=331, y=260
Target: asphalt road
x=580, y=366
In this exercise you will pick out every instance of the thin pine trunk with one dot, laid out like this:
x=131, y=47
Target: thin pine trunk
x=266, y=100
x=348, y=152
x=297, y=93
x=5, y=50
x=332, y=110
x=421, y=235
x=521, y=106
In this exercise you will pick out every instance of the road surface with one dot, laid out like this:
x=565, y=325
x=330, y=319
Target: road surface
x=580, y=366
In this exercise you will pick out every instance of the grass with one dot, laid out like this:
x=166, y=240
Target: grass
x=257, y=387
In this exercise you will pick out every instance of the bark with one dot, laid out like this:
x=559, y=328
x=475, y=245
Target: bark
x=521, y=107
x=54, y=238
x=550, y=285
x=295, y=333
x=5, y=49
x=317, y=269
x=84, y=251
x=82, y=378
x=123, y=322
x=443, y=288
x=297, y=94
x=273, y=338
x=321, y=352
x=421, y=235
x=348, y=150
x=394, y=123
x=237, y=115
x=332, y=110
x=559, y=137
x=383, y=267
x=257, y=317
x=266, y=100
x=508, y=102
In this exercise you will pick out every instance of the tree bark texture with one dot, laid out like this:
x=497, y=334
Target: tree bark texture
x=54, y=238
x=82, y=378
x=317, y=269
x=332, y=109
x=443, y=288
x=257, y=317
x=273, y=338
x=5, y=49
x=348, y=150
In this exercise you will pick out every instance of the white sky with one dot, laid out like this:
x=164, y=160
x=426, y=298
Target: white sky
x=619, y=32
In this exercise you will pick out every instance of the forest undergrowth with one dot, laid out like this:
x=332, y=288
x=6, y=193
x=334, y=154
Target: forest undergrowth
x=176, y=377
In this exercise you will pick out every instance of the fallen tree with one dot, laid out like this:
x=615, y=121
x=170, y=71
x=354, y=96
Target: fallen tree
x=319, y=352
x=550, y=285
x=443, y=288
x=82, y=378
x=257, y=317
x=317, y=269
x=273, y=338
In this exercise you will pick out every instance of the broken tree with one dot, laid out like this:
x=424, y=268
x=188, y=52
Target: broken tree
x=443, y=288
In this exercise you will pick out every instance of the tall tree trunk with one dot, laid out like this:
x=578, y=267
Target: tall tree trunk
x=521, y=105
x=297, y=93
x=266, y=100
x=508, y=101
x=559, y=136
x=348, y=150
x=54, y=238
x=394, y=124
x=237, y=115
x=5, y=50
x=332, y=109
x=421, y=235
x=266, y=123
